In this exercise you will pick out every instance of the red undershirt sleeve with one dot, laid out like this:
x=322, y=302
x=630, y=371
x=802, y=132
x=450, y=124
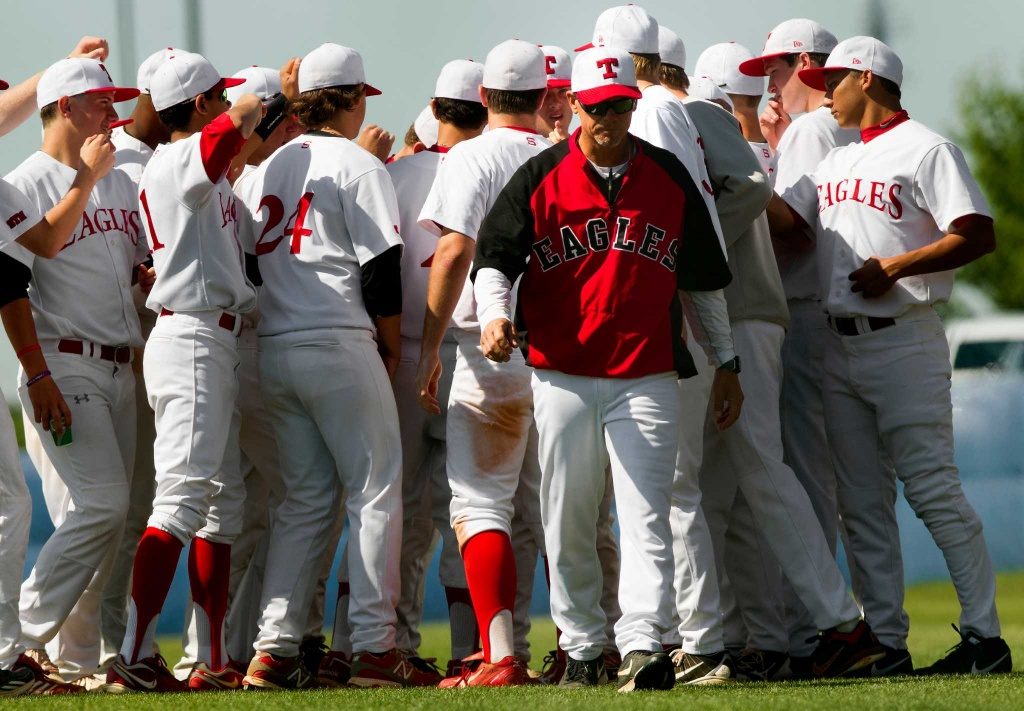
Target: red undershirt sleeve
x=219, y=143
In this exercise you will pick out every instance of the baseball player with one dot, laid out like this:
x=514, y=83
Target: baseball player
x=751, y=580
x=604, y=389
x=894, y=214
x=19, y=673
x=491, y=440
x=801, y=143
x=554, y=116
x=258, y=459
x=338, y=258
x=755, y=294
x=87, y=341
x=191, y=221
x=426, y=492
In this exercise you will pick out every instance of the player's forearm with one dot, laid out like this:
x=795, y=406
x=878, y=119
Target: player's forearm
x=452, y=261
x=17, y=104
x=493, y=292
x=954, y=250
x=389, y=338
x=51, y=233
x=786, y=226
x=21, y=332
x=708, y=315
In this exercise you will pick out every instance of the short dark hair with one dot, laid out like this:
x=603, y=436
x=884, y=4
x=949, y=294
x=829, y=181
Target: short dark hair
x=890, y=86
x=646, y=65
x=317, y=106
x=178, y=117
x=673, y=76
x=500, y=101
x=818, y=59
x=466, y=115
x=48, y=113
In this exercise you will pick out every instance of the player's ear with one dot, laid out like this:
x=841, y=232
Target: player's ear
x=199, y=104
x=64, y=106
x=573, y=104
x=483, y=95
x=540, y=99
x=433, y=108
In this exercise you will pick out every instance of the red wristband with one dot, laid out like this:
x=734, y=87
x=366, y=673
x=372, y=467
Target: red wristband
x=27, y=349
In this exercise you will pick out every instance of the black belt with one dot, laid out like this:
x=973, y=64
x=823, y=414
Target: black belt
x=847, y=325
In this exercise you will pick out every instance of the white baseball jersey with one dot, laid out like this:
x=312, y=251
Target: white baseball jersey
x=191, y=218
x=764, y=157
x=804, y=144
x=322, y=207
x=467, y=184
x=17, y=214
x=899, y=191
x=661, y=119
x=413, y=178
x=131, y=154
x=85, y=291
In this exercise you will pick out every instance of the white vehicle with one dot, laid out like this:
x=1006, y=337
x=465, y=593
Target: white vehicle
x=992, y=343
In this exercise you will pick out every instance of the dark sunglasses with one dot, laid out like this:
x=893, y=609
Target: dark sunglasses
x=619, y=106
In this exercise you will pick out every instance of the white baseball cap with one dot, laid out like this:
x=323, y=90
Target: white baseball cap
x=515, y=65
x=628, y=27
x=721, y=63
x=460, y=79
x=333, y=65
x=791, y=37
x=78, y=75
x=184, y=76
x=604, y=73
x=706, y=88
x=558, y=65
x=426, y=127
x=150, y=64
x=264, y=82
x=671, y=48
x=860, y=54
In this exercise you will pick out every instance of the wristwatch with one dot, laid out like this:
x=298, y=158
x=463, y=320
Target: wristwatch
x=732, y=365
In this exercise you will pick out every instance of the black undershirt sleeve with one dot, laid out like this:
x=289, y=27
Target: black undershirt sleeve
x=382, y=283
x=14, y=279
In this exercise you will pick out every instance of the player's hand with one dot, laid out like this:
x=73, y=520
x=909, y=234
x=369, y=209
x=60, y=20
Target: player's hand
x=246, y=113
x=96, y=157
x=91, y=48
x=726, y=398
x=428, y=375
x=290, y=78
x=874, y=278
x=48, y=406
x=558, y=134
x=498, y=339
x=146, y=278
x=377, y=141
x=774, y=121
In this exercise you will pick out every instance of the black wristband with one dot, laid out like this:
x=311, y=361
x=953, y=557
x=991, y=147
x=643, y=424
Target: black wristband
x=277, y=107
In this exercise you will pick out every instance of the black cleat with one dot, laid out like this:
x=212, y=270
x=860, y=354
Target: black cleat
x=973, y=655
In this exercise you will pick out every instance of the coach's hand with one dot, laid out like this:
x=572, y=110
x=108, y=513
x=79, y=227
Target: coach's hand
x=48, y=406
x=498, y=340
x=874, y=278
x=726, y=398
x=427, y=377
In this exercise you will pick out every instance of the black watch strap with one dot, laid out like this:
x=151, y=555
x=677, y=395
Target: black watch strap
x=732, y=365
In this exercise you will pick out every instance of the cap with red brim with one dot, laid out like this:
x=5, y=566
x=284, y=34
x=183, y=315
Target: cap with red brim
x=228, y=82
x=588, y=45
x=815, y=77
x=371, y=90
x=121, y=93
x=558, y=83
x=3, y=85
x=608, y=92
x=755, y=67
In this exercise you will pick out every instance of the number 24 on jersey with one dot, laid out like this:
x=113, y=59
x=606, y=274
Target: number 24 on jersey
x=294, y=226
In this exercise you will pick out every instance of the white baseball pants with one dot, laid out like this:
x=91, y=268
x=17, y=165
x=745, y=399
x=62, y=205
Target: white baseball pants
x=887, y=402
x=491, y=440
x=747, y=457
x=190, y=366
x=94, y=469
x=584, y=425
x=336, y=426
x=697, y=599
x=15, y=519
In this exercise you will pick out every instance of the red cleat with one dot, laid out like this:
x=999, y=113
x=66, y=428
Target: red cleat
x=202, y=678
x=510, y=671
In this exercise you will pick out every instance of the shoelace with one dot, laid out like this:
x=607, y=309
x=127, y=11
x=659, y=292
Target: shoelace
x=576, y=671
x=549, y=661
x=424, y=664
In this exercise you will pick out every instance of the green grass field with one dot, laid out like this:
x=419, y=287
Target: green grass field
x=932, y=607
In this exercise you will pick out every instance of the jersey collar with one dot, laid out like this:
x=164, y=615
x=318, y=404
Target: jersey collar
x=520, y=128
x=439, y=149
x=871, y=132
